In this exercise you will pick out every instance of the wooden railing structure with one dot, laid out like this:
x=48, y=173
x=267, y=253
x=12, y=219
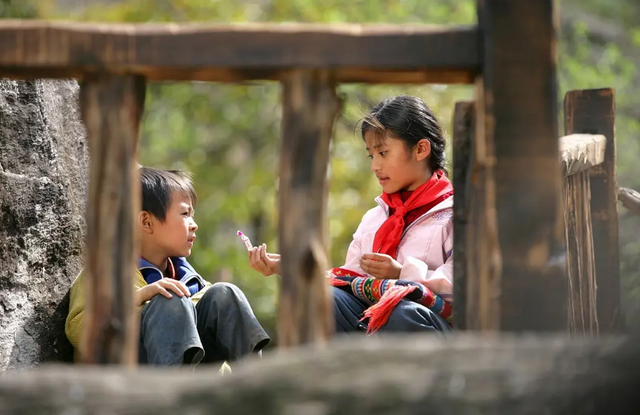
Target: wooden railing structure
x=591, y=291
x=511, y=242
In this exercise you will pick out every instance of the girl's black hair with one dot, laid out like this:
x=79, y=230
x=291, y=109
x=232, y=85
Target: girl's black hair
x=409, y=119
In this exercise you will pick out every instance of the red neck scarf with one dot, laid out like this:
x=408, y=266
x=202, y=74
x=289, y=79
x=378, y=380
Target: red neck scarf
x=434, y=191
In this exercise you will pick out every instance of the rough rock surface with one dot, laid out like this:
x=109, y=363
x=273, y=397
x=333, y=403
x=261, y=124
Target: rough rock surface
x=43, y=188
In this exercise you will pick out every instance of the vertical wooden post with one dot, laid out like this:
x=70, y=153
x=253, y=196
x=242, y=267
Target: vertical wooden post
x=310, y=106
x=593, y=112
x=517, y=112
x=464, y=279
x=112, y=107
x=582, y=304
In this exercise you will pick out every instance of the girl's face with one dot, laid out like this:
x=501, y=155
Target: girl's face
x=396, y=167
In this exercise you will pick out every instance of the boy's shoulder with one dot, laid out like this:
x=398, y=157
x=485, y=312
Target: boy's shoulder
x=78, y=283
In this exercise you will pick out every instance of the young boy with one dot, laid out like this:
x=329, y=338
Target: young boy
x=184, y=319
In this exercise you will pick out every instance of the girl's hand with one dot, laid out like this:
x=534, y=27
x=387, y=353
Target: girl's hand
x=163, y=287
x=380, y=266
x=265, y=263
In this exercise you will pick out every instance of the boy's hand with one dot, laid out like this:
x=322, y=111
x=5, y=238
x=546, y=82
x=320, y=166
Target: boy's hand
x=380, y=266
x=263, y=262
x=163, y=287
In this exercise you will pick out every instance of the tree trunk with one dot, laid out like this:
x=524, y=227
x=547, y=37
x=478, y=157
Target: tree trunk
x=43, y=187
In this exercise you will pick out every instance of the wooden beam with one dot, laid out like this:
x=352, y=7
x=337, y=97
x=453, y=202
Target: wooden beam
x=112, y=107
x=384, y=376
x=630, y=199
x=593, y=112
x=580, y=152
x=465, y=280
x=310, y=105
x=518, y=114
x=235, y=53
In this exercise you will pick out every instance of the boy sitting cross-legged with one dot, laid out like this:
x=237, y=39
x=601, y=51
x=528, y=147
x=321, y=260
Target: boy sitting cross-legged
x=184, y=319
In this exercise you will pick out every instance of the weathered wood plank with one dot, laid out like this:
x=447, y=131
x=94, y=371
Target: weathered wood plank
x=630, y=199
x=519, y=89
x=581, y=262
x=399, y=375
x=484, y=259
x=310, y=105
x=579, y=152
x=593, y=112
x=112, y=107
x=235, y=53
x=465, y=278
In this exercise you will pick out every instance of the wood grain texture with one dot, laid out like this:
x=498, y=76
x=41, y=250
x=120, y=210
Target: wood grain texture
x=112, y=107
x=630, y=199
x=386, y=376
x=580, y=152
x=519, y=119
x=484, y=257
x=235, y=53
x=581, y=262
x=593, y=112
x=310, y=106
x=465, y=280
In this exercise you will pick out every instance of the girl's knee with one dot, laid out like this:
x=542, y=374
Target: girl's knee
x=340, y=295
x=409, y=316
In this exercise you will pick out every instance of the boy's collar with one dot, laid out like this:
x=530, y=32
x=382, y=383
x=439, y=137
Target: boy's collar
x=144, y=264
x=179, y=266
x=183, y=271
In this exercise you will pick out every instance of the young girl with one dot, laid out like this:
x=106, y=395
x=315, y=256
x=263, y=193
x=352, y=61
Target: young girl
x=409, y=235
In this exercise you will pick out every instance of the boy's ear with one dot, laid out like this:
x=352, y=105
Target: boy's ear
x=423, y=149
x=145, y=221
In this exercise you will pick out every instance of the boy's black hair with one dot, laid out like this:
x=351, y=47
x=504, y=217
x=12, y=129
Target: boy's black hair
x=159, y=186
x=409, y=119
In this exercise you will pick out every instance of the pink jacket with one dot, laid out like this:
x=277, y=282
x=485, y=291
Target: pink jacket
x=426, y=249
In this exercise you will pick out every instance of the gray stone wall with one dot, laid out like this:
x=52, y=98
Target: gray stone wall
x=43, y=188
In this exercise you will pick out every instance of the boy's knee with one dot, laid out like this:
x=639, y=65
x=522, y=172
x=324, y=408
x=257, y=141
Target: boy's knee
x=222, y=292
x=222, y=289
x=174, y=306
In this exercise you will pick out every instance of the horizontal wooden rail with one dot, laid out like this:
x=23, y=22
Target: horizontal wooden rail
x=579, y=152
x=235, y=53
x=630, y=199
x=472, y=375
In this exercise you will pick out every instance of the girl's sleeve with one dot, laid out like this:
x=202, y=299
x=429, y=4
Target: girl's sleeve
x=439, y=280
x=355, y=252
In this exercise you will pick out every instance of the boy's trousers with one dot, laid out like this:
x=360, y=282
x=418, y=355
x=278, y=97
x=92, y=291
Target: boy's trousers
x=220, y=327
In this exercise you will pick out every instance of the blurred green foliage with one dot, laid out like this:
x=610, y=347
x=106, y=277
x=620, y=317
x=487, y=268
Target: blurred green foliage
x=18, y=9
x=228, y=134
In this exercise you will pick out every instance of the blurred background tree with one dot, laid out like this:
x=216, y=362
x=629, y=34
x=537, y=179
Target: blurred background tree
x=228, y=134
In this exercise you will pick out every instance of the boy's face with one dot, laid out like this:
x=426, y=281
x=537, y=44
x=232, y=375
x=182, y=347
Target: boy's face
x=175, y=236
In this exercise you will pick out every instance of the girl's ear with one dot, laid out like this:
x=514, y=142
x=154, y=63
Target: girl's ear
x=423, y=149
x=145, y=221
